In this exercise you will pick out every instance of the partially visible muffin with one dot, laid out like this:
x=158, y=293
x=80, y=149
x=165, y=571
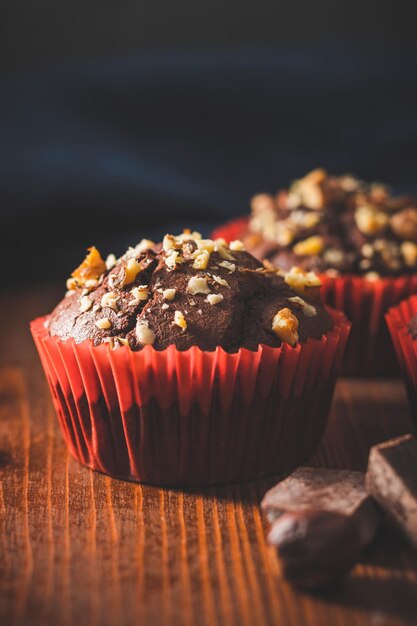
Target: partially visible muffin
x=188, y=292
x=335, y=225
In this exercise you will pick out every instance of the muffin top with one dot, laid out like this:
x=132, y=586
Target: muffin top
x=335, y=225
x=188, y=291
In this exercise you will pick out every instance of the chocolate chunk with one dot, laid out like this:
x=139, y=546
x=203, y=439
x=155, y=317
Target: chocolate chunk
x=321, y=520
x=391, y=478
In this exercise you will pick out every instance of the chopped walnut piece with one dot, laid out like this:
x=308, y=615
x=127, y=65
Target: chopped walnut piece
x=308, y=309
x=205, y=244
x=409, y=252
x=198, y=284
x=303, y=283
x=172, y=259
x=221, y=281
x=285, y=326
x=109, y=300
x=237, y=245
x=169, y=294
x=310, y=247
x=404, y=224
x=111, y=261
x=187, y=235
x=368, y=250
x=180, y=320
x=222, y=250
x=144, y=334
x=132, y=269
x=91, y=268
x=144, y=245
x=169, y=243
x=85, y=304
x=263, y=202
x=103, y=324
x=370, y=221
x=214, y=298
x=140, y=292
x=308, y=191
x=229, y=266
x=372, y=276
x=201, y=260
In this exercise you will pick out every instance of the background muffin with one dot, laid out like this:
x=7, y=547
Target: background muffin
x=402, y=324
x=337, y=225
x=360, y=238
x=190, y=363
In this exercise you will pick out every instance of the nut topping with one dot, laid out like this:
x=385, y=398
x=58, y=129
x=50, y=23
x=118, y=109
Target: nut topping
x=370, y=221
x=214, y=298
x=109, y=300
x=140, y=293
x=91, y=268
x=104, y=323
x=229, y=266
x=144, y=334
x=85, y=304
x=131, y=269
x=404, y=224
x=169, y=294
x=285, y=326
x=304, y=283
x=197, y=284
x=311, y=246
x=308, y=309
x=179, y=320
x=201, y=260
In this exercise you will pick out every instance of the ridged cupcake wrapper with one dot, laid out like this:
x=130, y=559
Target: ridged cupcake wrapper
x=369, y=351
x=193, y=417
x=405, y=346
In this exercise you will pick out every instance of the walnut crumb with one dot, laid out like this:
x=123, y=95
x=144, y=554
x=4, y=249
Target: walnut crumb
x=198, y=284
x=214, y=298
x=85, y=304
x=285, y=326
x=169, y=294
x=229, y=266
x=180, y=320
x=144, y=334
x=308, y=309
x=104, y=323
x=110, y=300
x=140, y=293
x=132, y=269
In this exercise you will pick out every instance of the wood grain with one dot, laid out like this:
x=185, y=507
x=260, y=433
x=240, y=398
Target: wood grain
x=79, y=548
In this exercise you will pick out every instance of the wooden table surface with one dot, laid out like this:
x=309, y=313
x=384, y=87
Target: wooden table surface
x=79, y=548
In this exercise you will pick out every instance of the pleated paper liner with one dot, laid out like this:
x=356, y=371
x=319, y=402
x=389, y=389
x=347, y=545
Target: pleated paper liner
x=405, y=346
x=193, y=417
x=369, y=351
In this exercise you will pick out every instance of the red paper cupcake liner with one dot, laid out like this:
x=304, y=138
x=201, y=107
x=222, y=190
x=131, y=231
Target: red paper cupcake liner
x=405, y=346
x=193, y=417
x=369, y=351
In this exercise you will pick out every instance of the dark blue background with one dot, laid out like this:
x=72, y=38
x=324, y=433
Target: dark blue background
x=107, y=152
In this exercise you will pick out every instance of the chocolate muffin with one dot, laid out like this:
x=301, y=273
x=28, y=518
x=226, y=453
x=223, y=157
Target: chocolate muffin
x=335, y=225
x=188, y=292
x=190, y=363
